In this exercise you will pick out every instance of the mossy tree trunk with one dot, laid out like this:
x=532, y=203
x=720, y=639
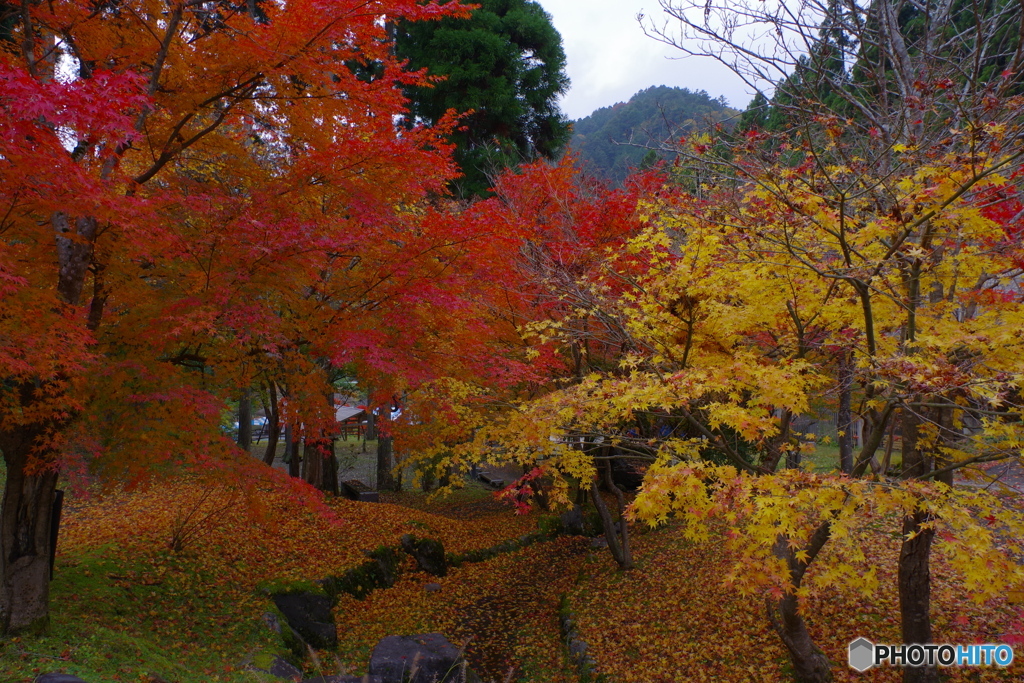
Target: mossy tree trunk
x=25, y=532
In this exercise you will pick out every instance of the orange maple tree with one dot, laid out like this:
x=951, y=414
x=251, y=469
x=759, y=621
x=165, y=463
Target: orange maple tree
x=192, y=194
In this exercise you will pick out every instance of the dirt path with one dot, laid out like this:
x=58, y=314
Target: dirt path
x=1005, y=476
x=513, y=614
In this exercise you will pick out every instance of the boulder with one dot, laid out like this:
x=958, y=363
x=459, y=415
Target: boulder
x=272, y=622
x=58, y=678
x=577, y=648
x=274, y=665
x=429, y=554
x=310, y=616
x=432, y=587
x=379, y=571
x=425, y=658
x=282, y=668
x=572, y=521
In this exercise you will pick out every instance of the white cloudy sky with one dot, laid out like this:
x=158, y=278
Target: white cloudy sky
x=610, y=58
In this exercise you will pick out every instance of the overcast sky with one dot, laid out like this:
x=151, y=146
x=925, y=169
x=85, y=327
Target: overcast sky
x=610, y=58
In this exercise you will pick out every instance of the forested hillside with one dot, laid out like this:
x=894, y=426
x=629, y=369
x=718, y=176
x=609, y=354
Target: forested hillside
x=612, y=141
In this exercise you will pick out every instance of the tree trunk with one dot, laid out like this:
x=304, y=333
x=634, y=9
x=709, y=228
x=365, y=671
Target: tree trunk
x=245, y=421
x=947, y=432
x=273, y=424
x=291, y=451
x=330, y=468
x=617, y=535
x=25, y=537
x=307, y=452
x=620, y=499
x=371, y=427
x=313, y=463
x=810, y=665
x=914, y=573
x=915, y=462
x=396, y=467
x=844, y=418
x=777, y=445
x=890, y=442
x=915, y=584
x=28, y=497
x=385, y=454
x=385, y=478
x=875, y=424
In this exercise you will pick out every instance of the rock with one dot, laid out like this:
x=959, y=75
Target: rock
x=58, y=678
x=275, y=666
x=429, y=554
x=432, y=587
x=272, y=622
x=281, y=668
x=599, y=542
x=310, y=616
x=577, y=648
x=345, y=679
x=426, y=658
x=572, y=521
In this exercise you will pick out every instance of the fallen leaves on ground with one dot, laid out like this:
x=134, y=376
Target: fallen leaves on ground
x=673, y=618
x=505, y=610
x=126, y=604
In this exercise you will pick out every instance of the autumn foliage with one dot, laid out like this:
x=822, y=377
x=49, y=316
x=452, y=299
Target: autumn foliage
x=200, y=199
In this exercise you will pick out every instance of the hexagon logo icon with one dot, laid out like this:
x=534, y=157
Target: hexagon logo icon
x=862, y=654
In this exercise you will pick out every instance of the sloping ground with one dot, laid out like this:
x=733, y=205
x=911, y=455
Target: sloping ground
x=126, y=605
x=230, y=531
x=504, y=610
x=673, y=619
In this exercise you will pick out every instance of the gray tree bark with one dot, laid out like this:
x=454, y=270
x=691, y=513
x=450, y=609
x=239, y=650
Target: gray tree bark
x=810, y=665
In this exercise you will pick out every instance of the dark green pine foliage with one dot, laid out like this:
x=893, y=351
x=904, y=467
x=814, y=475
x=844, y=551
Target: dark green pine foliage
x=755, y=116
x=506, y=64
x=615, y=140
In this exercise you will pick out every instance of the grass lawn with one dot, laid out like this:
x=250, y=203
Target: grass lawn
x=825, y=458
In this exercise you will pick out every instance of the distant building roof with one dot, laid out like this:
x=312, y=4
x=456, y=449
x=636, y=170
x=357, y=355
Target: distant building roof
x=347, y=412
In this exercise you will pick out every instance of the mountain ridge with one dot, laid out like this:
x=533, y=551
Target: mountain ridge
x=615, y=139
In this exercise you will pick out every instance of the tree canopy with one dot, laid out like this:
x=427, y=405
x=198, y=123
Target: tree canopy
x=505, y=66
x=225, y=205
